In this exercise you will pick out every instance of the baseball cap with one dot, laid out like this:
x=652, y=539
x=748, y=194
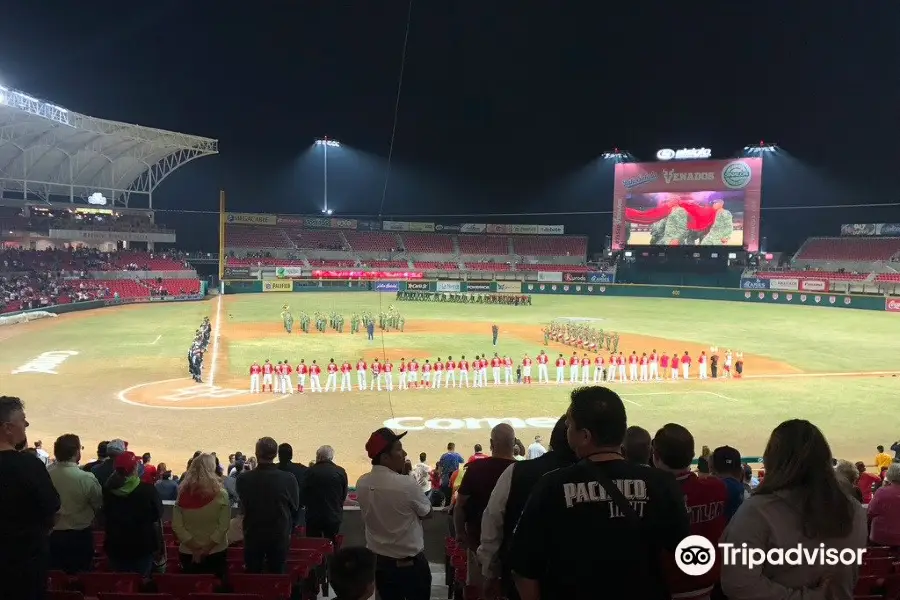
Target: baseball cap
x=726, y=458
x=126, y=462
x=381, y=440
x=115, y=448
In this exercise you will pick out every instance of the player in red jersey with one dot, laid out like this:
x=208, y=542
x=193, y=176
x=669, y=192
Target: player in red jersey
x=654, y=365
x=526, y=369
x=476, y=371
x=387, y=370
x=620, y=360
x=701, y=364
x=633, y=366
x=496, y=363
x=286, y=371
x=644, y=364
x=663, y=364
x=302, y=372
x=403, y=369
x=598, y=369
x=542, y=361
x=438, y=373
x=255, y=371
x=482, y=370
x=314, y=372
x=574, y=363
x=686, y=365
x=705, y=499
x=413, y=368
x=463, y=371
x=426, y=374
x=268, y=370
x=331, y=369
x=560, y=369
x=450, y=368
x=507, y=370
x=675, y=364
x=279, y=377
x=346, y=385
x=585, y=369
x=376, y=374
x=361, y=367
x=612, y=368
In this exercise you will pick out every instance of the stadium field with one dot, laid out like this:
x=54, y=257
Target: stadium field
x=122, y=372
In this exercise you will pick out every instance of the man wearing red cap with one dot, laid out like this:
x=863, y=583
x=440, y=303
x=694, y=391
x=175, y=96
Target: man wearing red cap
x=392, y=507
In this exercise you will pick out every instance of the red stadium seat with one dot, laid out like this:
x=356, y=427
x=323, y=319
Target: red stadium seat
x=63, y=595
x=94, y=583
x=136, y=596
x=270, y=587
x=226, y=597
x=181, y=586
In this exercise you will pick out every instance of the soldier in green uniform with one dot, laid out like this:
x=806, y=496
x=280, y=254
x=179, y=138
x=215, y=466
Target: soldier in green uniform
x=401, y=323
x=615, y=342
x=546, y=336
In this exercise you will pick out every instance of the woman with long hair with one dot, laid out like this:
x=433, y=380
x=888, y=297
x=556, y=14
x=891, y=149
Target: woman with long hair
x=201, y=517
x=799, y=503
x=132, y=513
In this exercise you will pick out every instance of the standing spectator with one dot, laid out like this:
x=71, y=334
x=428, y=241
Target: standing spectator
x=636, y=511
x=475, y=491
x=421, y=472
x=352, y=574
x=150, y=473
x=798, y=503
x=325, y=492
x=884, y=510
x=132, y=513
x=270, y=500
x=673, y=451
x=103, y=469
x=726, y=465
x=505, y=507
x=41, y=453
x=200, y=519
x=72, y=540
x=166, y=487
x=636, y=447
x=28, y=505
x=392, y=507
x=101, y=456
x=285, y=456
x=448, y=464
x=479, y=454
x=867, y=482
x=883, y=460
x=536, y=449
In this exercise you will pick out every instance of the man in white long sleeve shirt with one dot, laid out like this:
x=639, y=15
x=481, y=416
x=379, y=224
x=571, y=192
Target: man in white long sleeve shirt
x=536, y=449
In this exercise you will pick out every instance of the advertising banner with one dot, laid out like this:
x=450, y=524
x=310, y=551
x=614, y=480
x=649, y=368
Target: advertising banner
x=448, y=228
x=789, y=284
x=387, y=286
x=288, y=272
x=270, y=285
x=343, y=223
x=417, y=286
x=422, y=227
x=551, y=229
x=478, y=286
x=472, y=228
x=495, y=228
x=250, y=219
x=111, y=236
x=892, y=305
x=285, y=220
x=711, y=202
x=238, y=272
x=550, y=276
x=509, y=287
x=322, y=222
x=576, y=277
x=871, y=229
x=813, y=285
x=368, y=225
x=395, y=226
x=600, y=277
x=890, y=230
x=754, y=283
x=447, y=286
x=523, y=229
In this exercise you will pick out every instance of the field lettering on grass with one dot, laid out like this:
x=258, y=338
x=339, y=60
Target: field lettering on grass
x=122, y=372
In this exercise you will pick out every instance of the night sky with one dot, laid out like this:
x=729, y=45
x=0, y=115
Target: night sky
x=505, y=105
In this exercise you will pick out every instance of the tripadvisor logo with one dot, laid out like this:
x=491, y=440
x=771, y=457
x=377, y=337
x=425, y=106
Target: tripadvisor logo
x=695, y=555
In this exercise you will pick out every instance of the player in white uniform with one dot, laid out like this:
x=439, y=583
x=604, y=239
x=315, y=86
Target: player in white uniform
x=388, y=374
x=438, y=373
x=376, y=374
x=654, y=365
x=644, y=367
x=585, y=370
x=301, y=375
x=255, y=370
x=267, y=369
x=331, y=381
x=482, y=372
x=361, y=374
x=573, y=369
x=346, y=384
x=543, y=359
x=463, y=371
x=701, y=365
x=598, y=369
x=560, y=369
x=495, y=367
x=451, y=371
x=621, y=362
x=507, y=370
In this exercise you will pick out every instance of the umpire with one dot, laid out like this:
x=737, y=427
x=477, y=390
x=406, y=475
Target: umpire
x=495, y=333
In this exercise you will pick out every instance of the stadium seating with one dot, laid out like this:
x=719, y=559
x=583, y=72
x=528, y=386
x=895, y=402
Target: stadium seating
x=553, y=267
x=346, y=264
x=888, y=278
x=537, y=245
x=432, y=243
x=428, y=265
x=849, y=249
x=266, y=261
x=483, y=244
x=828, y=275
x=487, y=266
x=145, y=262
x=372, y=241
x=386, y=264
x=249, y=236
x=315, y=239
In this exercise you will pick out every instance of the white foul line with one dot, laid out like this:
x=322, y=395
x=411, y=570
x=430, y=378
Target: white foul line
x=159, y=337
x=215, y=351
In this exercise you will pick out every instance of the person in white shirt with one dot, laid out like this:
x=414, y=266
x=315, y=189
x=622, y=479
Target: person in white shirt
x=422, y=475
x=42, y=454
x=392, y=506
x=536, y=449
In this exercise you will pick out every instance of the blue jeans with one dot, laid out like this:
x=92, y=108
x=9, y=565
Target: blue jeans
x=141, y=566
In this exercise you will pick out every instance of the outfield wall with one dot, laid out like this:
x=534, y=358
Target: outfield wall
x=756, y=296
x=61, y=309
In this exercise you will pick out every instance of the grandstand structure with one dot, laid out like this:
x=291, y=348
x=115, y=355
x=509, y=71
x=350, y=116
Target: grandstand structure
x=312, y=244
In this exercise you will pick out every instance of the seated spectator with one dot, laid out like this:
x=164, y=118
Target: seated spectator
x=800, y=502
x=847, y=476
x=867, y=482
x=166, y=487
x=884, y=510
x=132, y=513
x=200, y=519
x=352, y=574
x=72, y=540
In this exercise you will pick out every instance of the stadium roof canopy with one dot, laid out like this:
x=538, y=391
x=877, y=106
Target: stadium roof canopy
x=47, y=152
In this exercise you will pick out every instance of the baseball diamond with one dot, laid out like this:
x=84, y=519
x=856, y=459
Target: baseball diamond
x=119, y=371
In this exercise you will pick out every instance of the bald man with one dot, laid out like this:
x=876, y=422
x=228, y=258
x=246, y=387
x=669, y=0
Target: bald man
x=478, y=482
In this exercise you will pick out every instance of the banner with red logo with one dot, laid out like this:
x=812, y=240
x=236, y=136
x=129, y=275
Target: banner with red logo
x=892, y=304
x=711, y=202
x=813, y=285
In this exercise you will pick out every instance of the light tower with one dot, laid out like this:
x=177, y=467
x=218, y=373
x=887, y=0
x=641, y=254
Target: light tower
x=326, y=143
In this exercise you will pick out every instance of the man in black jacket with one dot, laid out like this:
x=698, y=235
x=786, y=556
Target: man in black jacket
x=270, y=500
x=324, y=492
x=285, y=455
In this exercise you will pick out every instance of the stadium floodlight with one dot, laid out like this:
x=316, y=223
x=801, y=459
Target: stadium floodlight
x=326, y=143
x=761, y=148
x=34, y=106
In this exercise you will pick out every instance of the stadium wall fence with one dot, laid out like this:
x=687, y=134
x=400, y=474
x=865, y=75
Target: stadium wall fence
x=61, y=309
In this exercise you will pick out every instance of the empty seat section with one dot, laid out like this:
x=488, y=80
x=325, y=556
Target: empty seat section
x=487, y=266
x=829, y=275
x=252, y=236
x=434, y=243
x=332, y=263
x=386, y=264
x=483, y=244
x=264, y=261
x=372, y=241
x=538, y=245
x=552, y=267
x=315, y=239
x=423, y=265
x=849, y=249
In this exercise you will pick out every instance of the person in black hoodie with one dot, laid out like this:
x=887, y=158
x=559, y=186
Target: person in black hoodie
x=505, y=506
x=285, y=455
x=132, y=512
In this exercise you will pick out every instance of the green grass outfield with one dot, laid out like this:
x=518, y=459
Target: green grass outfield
x=123, y=347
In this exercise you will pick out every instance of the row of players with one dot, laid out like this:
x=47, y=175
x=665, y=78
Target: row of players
x=276, y=378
